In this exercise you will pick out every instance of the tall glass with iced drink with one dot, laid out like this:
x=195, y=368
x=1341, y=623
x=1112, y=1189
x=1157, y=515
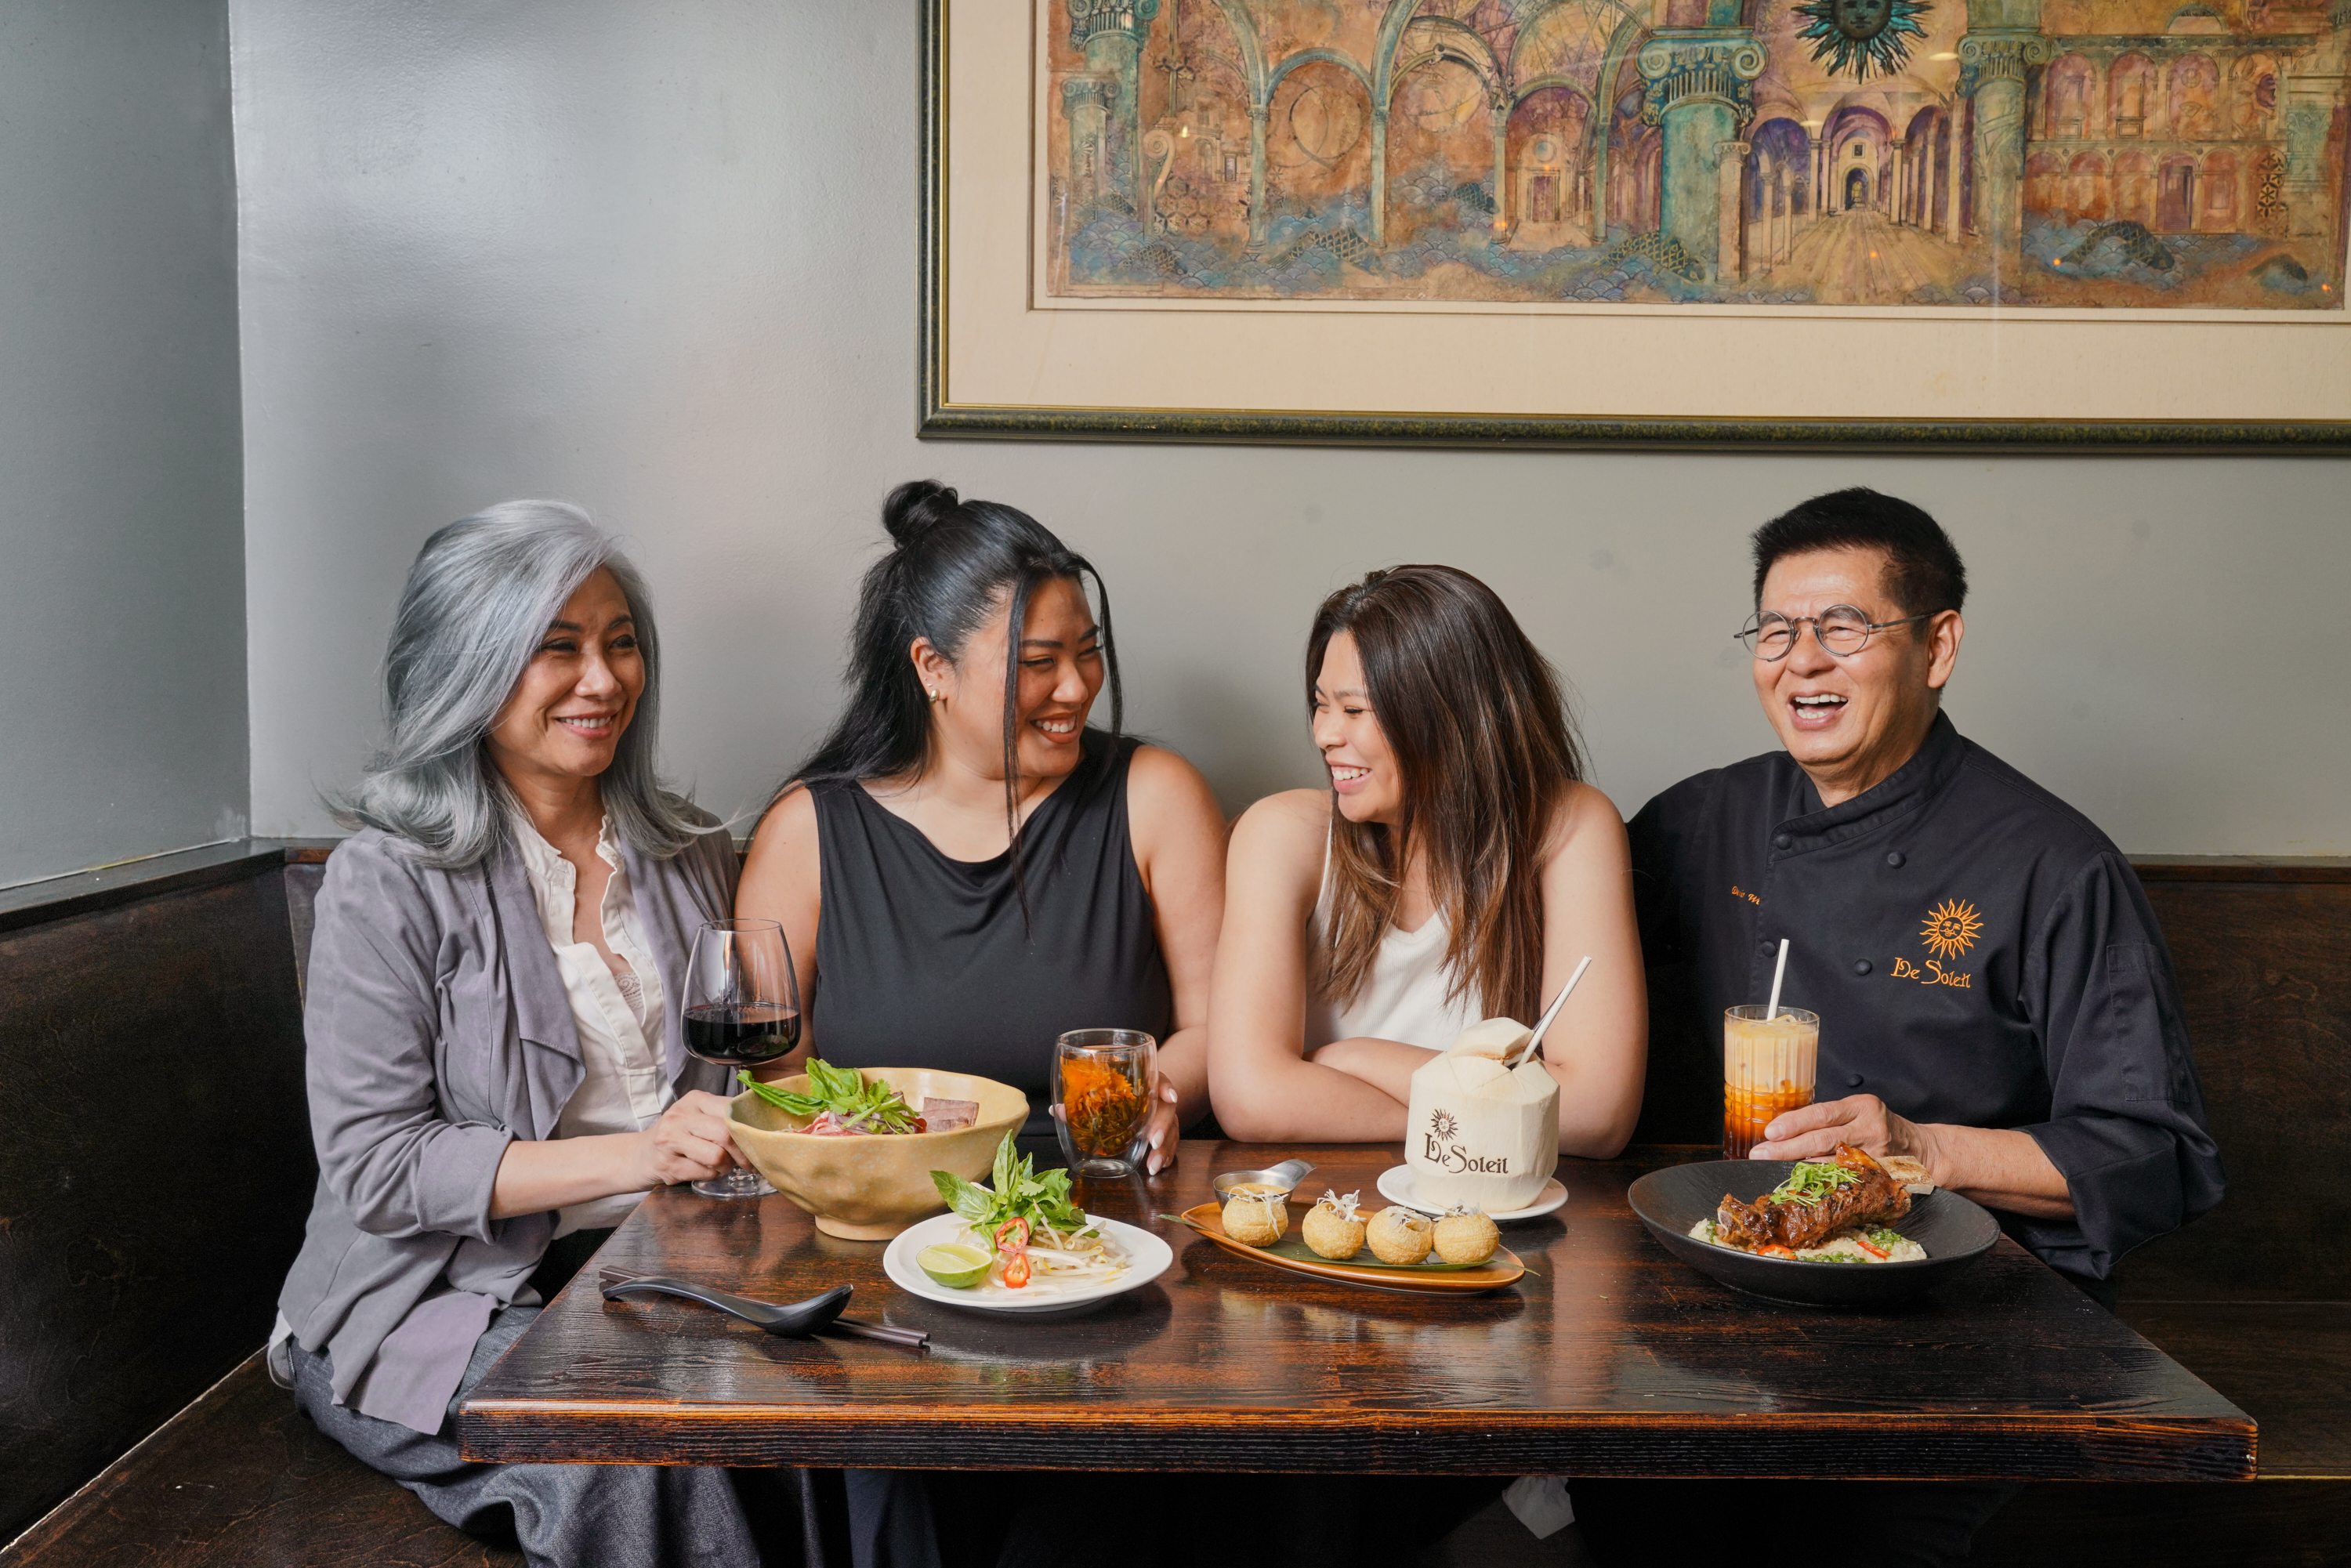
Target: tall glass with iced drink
x=1768, y=1067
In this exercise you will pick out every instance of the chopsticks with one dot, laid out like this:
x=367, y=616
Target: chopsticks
x=882, y=1333
x=840, y=1328
x=858, y=1328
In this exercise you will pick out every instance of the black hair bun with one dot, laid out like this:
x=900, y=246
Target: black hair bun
x=917, y=506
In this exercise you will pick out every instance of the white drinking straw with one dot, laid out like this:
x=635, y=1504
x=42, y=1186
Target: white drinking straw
x=1559, y=1001
x=1779, y=971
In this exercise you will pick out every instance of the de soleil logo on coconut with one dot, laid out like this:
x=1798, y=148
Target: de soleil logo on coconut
x=1439, y=1148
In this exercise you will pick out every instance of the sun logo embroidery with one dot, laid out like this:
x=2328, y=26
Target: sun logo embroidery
x=1443, y=1124
x=1952, y=929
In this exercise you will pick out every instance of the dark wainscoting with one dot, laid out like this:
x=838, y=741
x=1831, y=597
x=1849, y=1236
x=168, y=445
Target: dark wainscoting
x=2264, y=966
x=156, y=1166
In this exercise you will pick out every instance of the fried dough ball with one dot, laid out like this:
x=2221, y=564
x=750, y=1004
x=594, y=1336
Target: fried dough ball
x=1256, y=1219
x=1332, y=1228
x=1466, y=1236
x=1399, y=1235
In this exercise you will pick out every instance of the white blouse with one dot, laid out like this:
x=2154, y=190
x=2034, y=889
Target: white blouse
x=619, y=1016
x=1403, y=999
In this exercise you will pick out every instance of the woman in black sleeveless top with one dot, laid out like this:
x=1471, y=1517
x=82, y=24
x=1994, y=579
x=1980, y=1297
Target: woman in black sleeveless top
x=964, y=870
x=927, y=959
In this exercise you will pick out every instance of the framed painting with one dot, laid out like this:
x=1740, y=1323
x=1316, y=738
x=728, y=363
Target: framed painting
x=2051, y=225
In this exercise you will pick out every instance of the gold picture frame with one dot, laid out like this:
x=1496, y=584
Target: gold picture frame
x=1008, y=350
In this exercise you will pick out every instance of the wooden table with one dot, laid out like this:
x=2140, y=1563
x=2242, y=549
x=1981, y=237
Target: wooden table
x=1610, y=1358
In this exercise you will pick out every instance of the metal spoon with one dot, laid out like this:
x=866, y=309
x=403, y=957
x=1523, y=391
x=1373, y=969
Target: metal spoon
x=1285, y=1176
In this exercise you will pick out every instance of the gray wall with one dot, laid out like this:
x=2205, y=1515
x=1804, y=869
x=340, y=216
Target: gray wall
x=123, y=708
x=661, y=260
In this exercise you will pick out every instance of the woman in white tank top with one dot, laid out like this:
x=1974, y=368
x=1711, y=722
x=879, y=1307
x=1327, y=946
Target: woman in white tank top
x=1455, y=869
x=1405, y=996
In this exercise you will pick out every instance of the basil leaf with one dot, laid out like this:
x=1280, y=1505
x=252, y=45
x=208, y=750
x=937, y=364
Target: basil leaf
x=972, y=1203
x=797, y=1105
x=843, y=1092
x=1019, y=1192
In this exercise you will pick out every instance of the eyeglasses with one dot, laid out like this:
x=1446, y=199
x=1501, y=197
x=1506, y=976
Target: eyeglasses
x=1840, y=629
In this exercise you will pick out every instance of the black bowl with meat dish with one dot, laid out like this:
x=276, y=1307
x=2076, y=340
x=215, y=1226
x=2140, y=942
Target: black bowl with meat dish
x=1954, y=1231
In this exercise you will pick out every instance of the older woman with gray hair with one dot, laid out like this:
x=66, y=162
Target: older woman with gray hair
x=496, y=1063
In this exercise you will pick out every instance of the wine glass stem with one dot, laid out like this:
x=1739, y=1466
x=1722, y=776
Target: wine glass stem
x=735, y=1182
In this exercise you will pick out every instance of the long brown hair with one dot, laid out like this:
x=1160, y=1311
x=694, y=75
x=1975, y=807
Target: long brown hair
x=1485, y=752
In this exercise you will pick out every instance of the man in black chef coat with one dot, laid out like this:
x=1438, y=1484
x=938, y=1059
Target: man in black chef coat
x=1995, y=997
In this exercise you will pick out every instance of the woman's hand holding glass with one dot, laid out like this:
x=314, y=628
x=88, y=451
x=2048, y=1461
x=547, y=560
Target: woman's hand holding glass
x=688, y=1144
x=742, y=1009
x=1167, y=1129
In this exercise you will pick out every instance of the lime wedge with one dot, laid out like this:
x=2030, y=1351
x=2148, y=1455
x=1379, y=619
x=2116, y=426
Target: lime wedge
x=958, y=1268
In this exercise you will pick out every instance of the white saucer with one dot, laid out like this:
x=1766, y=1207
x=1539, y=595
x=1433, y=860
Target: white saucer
x=1398, y=1187
x=1148, y=1255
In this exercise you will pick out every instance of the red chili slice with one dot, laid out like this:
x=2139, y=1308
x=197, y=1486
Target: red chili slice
x=1018, y=1229
x=1015, y=1271
x=1868, y=1245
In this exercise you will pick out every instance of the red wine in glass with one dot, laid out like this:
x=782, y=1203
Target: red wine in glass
x=742, y=1008
x=741, y=1036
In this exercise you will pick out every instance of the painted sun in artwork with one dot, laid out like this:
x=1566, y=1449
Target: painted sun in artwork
x=1862, y=36
x=1952, y=929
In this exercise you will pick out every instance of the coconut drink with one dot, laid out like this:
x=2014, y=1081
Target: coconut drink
x=1482, y=1135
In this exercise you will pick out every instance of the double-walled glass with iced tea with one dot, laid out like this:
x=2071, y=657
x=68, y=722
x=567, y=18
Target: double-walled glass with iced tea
x=1103, y=1080
x=1768, y=1067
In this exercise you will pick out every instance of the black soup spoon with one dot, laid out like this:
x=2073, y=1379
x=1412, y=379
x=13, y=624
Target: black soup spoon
x=796, y=1320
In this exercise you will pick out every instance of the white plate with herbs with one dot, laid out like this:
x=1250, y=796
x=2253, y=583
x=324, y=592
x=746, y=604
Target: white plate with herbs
x=1020, y=1245
x=1140, y=1257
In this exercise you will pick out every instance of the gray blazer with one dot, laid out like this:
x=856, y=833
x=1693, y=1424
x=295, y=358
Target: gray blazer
x=439, y=1031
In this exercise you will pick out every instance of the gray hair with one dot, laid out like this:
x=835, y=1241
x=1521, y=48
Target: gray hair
x=477, y=604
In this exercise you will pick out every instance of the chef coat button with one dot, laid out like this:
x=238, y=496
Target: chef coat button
x=1764, y=945
x=1853, y=1080
x=1861, y=966
x=1782, y=842
x=1894, y=858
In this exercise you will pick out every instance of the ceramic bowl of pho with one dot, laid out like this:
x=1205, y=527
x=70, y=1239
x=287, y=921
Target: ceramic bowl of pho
x=868, y=1187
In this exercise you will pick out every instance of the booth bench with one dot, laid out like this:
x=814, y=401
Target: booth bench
x=156, y=1171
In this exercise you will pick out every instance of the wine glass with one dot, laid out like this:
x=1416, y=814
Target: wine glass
x=742, y=1008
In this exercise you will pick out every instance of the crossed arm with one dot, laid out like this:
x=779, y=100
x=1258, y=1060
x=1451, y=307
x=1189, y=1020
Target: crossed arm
x=1268, y=1087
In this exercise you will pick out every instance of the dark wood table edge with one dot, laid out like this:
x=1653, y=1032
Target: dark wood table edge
x=1694, y=1444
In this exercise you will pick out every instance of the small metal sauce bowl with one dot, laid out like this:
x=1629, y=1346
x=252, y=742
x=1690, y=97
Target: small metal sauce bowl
x=1285, y=1176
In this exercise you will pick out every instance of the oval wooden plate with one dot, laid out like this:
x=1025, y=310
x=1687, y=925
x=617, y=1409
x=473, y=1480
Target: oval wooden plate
x=1502, y=1269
